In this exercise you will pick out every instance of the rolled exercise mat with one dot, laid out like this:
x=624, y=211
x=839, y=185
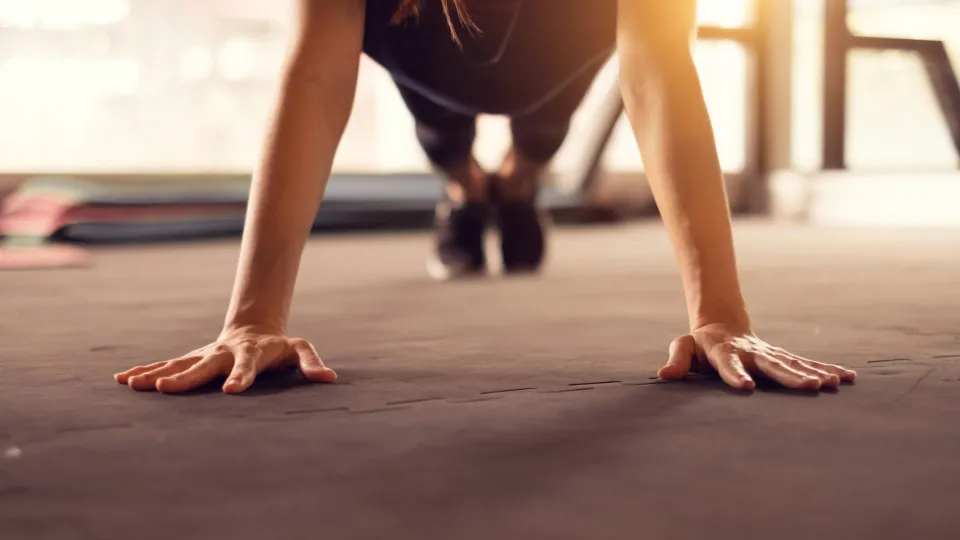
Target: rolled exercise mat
x=41, y=216
x=136, y=190
x=14, y=256
x=48, y=206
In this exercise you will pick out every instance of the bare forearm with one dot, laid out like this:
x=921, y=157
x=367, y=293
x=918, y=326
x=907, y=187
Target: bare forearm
x=312, y=111
x=284, y=199
x=665, y=105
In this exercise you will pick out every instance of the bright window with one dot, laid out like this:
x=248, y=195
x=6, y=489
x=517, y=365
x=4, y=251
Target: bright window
x=186, y=86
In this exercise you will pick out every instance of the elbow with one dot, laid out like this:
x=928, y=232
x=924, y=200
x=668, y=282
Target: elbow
x=655, y=62
x=654, y=36
x=653, y=56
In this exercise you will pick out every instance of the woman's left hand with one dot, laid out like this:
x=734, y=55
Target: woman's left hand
x=740, y=356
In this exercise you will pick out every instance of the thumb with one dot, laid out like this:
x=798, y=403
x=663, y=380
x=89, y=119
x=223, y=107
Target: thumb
x=681, y=355
x=310, y=363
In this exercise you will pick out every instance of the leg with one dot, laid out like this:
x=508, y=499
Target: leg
x=537, y=138
x=528, y=158
x=447, y=139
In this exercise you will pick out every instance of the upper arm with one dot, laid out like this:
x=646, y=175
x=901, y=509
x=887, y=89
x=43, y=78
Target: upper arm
x=655, y=27
x=327, y=44
x=316, y=18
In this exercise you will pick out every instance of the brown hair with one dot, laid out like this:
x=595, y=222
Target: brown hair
x=411, y=9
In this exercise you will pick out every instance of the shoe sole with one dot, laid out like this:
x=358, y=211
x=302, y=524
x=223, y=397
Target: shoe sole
x=439, y=271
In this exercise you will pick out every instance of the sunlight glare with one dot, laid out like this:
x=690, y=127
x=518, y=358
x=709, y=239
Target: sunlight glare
x=724, y=13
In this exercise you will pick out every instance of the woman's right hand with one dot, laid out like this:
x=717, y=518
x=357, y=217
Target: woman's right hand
x=239, y=354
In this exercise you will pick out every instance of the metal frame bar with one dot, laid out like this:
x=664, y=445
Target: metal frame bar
x=751, y=178
x=839, y=41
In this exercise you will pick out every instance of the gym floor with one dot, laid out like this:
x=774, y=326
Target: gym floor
x=500, y=408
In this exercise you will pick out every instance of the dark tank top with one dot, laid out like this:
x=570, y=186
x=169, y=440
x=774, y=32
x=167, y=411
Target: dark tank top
x=528, y=51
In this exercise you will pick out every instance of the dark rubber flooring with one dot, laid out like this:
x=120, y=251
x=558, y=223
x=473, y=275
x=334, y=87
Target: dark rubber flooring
x=517, y=409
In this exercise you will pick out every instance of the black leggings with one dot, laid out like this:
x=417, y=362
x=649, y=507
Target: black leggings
x=447, y=136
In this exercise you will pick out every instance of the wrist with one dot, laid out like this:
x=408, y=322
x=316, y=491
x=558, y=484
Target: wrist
x=232, y=329
x=251, y=319
x=731, y=313
x=261, y=307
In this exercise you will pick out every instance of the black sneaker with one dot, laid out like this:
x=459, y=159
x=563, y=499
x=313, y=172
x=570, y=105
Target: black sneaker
x=460, y=231
x=522, y=236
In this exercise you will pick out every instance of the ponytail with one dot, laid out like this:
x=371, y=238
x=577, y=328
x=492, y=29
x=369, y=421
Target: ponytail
x=411, y=9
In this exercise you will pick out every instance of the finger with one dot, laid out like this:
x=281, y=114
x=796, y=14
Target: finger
x=780, y=372
x=807, y=367
x=245, y=357
x=195, y=376
x=827, y=380
x=148, y=381
x=123, y=376
x=310, y=364
x=731, y=370
x=680, y=358
x=846, y=375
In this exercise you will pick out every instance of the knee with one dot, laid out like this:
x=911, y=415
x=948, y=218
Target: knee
x=447, y=146
x=539, y=142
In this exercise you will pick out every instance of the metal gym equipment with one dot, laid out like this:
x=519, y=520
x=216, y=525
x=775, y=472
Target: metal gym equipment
x=839, y=41
x=765, y=40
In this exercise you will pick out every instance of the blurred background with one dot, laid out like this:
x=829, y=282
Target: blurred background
x=136, y=119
